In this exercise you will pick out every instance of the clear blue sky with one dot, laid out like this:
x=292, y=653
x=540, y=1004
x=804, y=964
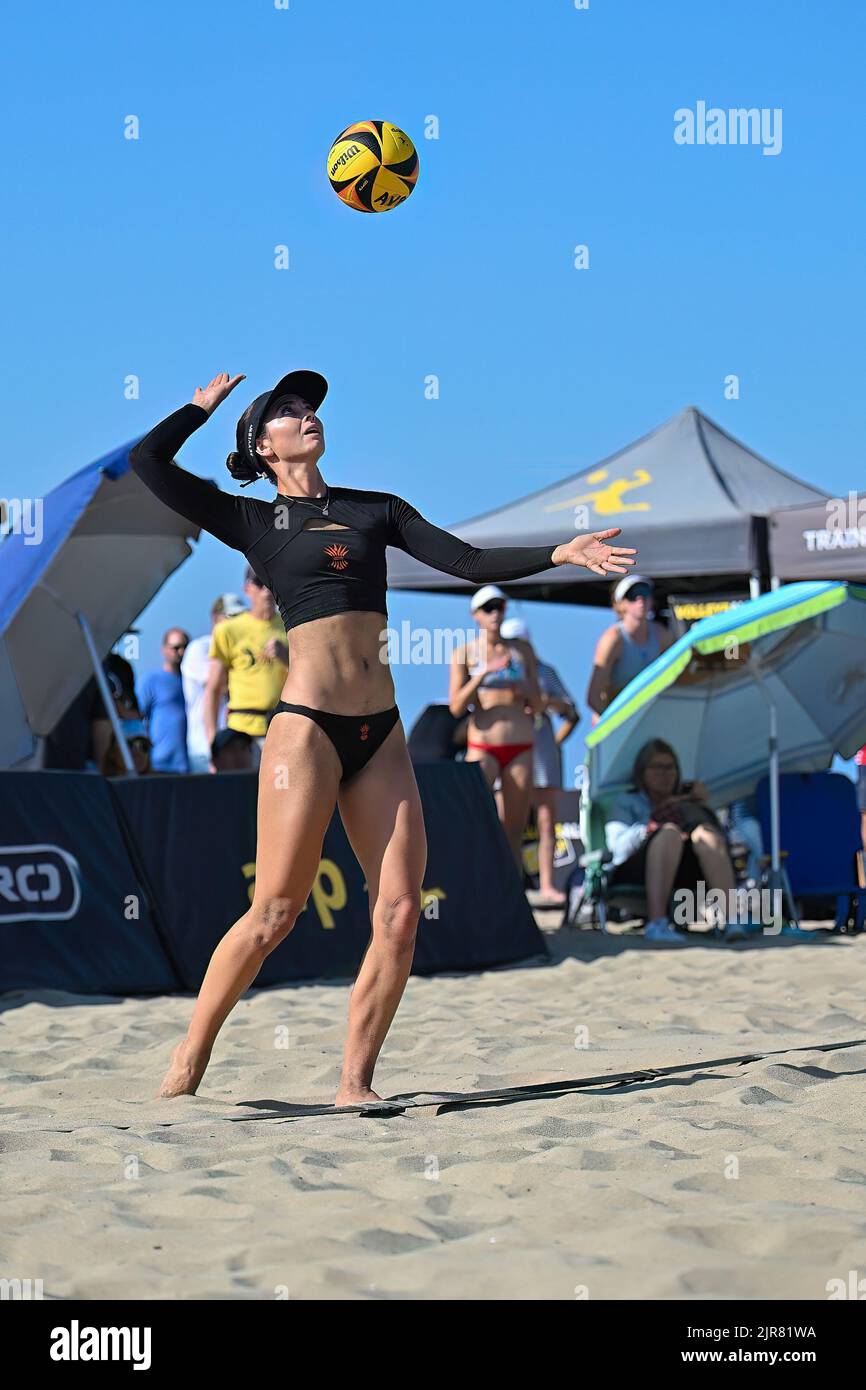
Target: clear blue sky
x=155, y=257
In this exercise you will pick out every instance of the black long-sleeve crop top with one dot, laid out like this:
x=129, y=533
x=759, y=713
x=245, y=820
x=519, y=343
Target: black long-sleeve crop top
x=317, y=571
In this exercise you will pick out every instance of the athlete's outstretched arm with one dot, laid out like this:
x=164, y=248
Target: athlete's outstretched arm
x=409, y=531
x=221, y=513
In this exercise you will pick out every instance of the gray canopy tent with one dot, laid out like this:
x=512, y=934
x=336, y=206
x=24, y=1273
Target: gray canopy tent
x=690, y=497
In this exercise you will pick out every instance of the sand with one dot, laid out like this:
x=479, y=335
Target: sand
x=742, y=1181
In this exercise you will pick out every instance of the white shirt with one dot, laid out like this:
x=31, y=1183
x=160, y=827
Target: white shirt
x=194, y=671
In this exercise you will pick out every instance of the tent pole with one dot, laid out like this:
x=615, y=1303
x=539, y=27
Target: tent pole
x=104, y=691
x=775, y=853
x=778, y=883
x=775, y=833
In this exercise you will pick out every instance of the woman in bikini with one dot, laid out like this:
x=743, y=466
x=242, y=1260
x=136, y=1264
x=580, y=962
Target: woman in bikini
x=499, y=680
x=336, y=738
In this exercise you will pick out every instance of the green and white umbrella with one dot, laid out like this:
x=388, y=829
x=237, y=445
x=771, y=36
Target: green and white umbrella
x=791, y=695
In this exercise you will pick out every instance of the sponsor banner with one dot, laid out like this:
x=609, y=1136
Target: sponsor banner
x=197, y=841
x=688, y=609
x=827, y=541
x=74, y=914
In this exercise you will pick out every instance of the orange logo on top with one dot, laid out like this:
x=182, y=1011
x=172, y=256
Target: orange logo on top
x=365, y=729
x=338, y=554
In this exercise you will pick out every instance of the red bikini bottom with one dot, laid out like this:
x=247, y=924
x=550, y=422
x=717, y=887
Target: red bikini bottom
x=504, y=753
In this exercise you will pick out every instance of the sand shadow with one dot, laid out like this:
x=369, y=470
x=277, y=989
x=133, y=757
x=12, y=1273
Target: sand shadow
x=620, y=1083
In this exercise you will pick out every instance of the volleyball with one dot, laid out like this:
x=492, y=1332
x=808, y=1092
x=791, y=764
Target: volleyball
x=373, y=166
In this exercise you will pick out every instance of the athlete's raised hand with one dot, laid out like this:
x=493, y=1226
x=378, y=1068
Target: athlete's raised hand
x=595, y=554
x=216, y=391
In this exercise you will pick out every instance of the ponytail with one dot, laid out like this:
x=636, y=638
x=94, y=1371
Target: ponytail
x=244, y=472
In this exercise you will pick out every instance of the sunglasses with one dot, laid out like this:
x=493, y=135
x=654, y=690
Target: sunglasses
x=639, y=591
x=493, y=605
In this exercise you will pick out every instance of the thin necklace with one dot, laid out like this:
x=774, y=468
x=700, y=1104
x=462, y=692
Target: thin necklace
x=325, y=500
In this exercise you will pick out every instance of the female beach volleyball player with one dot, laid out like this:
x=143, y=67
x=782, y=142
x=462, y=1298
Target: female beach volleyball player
x=335, y=737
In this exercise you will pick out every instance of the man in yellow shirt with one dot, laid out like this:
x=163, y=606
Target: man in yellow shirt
x=248, y=659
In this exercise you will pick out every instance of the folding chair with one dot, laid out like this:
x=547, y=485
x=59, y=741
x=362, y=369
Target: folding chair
x=820, y=833
x=589, y=899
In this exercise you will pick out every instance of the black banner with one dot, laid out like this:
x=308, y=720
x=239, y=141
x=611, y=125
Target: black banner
x=111, y=1339
x=74, y=914
x=197, y=839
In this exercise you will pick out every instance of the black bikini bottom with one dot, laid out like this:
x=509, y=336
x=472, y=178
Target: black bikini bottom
x=356, y=737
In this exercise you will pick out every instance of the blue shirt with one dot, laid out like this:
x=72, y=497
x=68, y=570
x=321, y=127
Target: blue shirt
x=162, y=705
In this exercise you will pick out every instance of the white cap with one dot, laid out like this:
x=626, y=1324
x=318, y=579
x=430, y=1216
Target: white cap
x=514, y=627
x=485, y=594
x=230, y=605
x=627, y=582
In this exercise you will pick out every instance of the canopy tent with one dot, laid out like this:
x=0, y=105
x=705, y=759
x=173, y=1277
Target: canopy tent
x=827, y=541
x=74, y=573
x=689, y=496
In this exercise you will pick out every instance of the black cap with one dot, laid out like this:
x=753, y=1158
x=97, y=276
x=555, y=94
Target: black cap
x=310, y=385
x=224, y=737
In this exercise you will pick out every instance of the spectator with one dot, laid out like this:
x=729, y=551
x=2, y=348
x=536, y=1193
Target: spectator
x=664, y=835
x=81, y=737
x=139, y=746
x=628, y=645
x=547, y=759
x=194, y=669
x=249, y=659
x=231, y=751
x=497, y=678
x=163, y=707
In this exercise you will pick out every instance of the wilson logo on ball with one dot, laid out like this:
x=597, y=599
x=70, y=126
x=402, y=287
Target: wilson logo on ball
x=373, y=166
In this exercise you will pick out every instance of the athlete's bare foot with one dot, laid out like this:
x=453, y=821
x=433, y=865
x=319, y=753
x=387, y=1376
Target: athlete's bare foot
x=184, y=1073
x=354, y=1095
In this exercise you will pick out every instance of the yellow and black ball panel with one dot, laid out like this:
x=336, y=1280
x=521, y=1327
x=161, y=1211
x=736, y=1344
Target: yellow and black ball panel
x=387, y=190
x=368, y=132
x=398, y=152
x=348, y=160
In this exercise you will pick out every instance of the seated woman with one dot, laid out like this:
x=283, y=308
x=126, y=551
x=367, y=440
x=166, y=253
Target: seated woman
x=663, y=834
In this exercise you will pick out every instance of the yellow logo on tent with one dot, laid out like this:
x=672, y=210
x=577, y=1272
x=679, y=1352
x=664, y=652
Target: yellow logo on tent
x=607, y=500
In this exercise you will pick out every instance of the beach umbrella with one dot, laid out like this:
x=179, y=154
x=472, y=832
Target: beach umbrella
x=76, y=568
x=783, y=688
